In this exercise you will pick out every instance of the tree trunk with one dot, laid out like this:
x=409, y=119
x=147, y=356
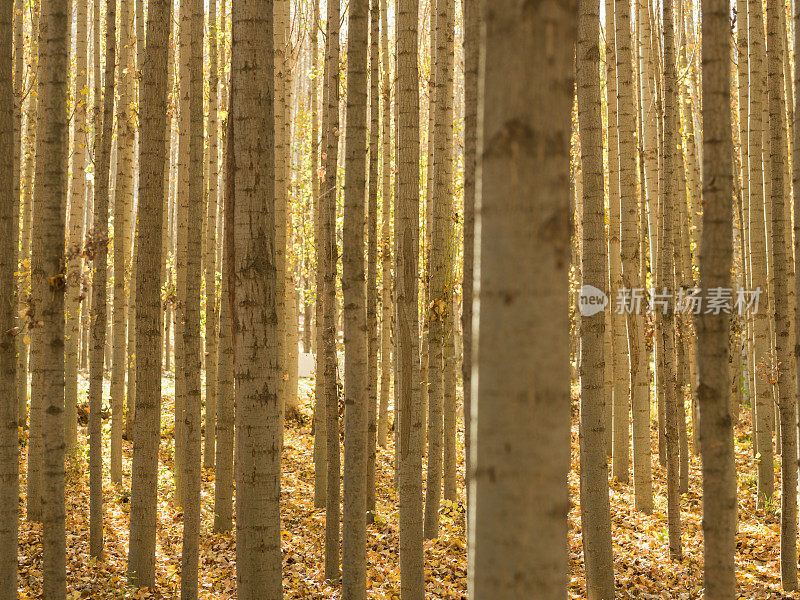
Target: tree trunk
x=595, y=504
x=758, y=257
x=258, y=425
x=153, y=161
x=408, y=424
x=673, y=381
x=9, y=229
x=74, y=295
x=386, y=232
x=522, y=451
x=98, y=254
x=372, y=257
x=49, y=216
x=123, y=202
x=210, y=255
x=328, y=216
x=439, y=302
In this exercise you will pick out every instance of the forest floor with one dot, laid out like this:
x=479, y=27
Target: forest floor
x=642, y=566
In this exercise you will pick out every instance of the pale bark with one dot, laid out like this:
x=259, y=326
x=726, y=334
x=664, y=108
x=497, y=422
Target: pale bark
x=258, y=425
x=153, y=155
x=49, y=216
x=758, y=256
x=521, y=452
x=123, y=202
x=408, y=423
x=210, y=251
x=74, y=294
x=98, y=253
x=595, y=504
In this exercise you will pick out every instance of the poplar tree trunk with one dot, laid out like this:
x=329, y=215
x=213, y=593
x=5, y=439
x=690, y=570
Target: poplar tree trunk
x=153, y=161
x=328, y=216
x=716, y=254
x=9, y=228
x=320, y=449
x=258, y=425
x=621, y=402
x=223, y=479
x=471, y=18
x=98, y=253
x=123, y=202
x=673, y=382
x=595, y=503
x=408, y=424
x=74, y=293
x=758, y=258
x=49, y=215
x=210, y=256
x=354, y=559
x=787, y=401
x=386, y=231
x=372, y=258
x=522, y=451
x=637, y=354
x=439, y=302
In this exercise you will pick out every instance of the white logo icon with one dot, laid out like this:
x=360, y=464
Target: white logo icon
x=592, y=301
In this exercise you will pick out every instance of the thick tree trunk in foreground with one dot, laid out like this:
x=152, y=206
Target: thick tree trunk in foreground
x=522, y=448
x=258, y=426
x=716, y=255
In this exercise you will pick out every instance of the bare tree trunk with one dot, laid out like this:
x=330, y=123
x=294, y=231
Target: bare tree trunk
x=522, y=451
x=74, y=295
x=258, y=425
x=210, y=256
x=595, y=503
x=153, y=161
x=328, y=216
x=49, y=216
x=9, y=230
x=408, y=424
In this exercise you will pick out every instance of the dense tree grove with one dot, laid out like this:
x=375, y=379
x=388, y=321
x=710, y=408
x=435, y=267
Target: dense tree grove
x=399, y=299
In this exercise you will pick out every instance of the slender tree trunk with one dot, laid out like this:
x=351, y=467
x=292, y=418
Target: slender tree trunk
x=328, y=215
x=471, y=19
x=595, y=504
x=787, y=401
x=439, y=300
x=74, y=295
x=621, y=403
x=522, y=451
x=210, y=255
x=372, y=257
x=386, y=231
x=123, y=202
x=320, y=449
x=758, y=253
x=223, y=480
x=98, y=254
x=9, y=229
x=673, y=381
x=408, y=424
x=49, y=215
x=354, y=560
x=637, y=354
x=153, y=161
